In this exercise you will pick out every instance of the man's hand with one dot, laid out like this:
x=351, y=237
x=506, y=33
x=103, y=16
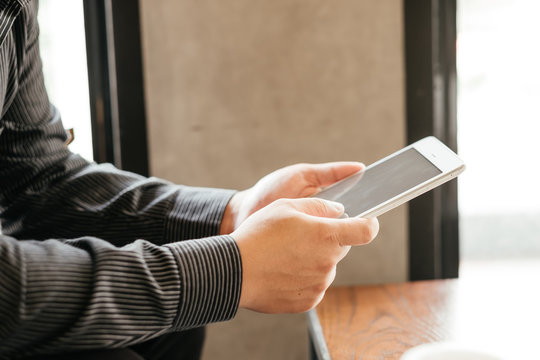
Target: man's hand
x=295, y=181
x=290, y=250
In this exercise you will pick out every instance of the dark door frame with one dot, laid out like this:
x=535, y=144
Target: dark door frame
x=115, y=76
x=431, y=102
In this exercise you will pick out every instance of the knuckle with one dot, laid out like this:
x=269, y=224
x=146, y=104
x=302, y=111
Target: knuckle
x=307, y=305
x=285, y=207
x=330, y=278
x=311, y=296
x=311, y=306
x=330, y=234
x=319, y=205
x=303, y=170
x=334, y=237
x=325, y=266
x=282, y=202
x=296, y=176
x=303, y=305
x=321, y=287
x=315, y=301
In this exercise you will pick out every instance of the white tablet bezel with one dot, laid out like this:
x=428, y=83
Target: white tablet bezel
x=436, y=153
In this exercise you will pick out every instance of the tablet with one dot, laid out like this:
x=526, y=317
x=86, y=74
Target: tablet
x=395, y=179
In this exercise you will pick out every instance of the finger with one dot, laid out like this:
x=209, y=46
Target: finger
x=354, y=231
x=317, y=207
x=344, y=250
x=329, y=279
x=321, y=175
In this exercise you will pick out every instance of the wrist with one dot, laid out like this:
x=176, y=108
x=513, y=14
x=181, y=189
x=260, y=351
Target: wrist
x=230, y=216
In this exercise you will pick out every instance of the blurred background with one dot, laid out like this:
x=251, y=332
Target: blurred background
x=233, y=90
x=498, y=127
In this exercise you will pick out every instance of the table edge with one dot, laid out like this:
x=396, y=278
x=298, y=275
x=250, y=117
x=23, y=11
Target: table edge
x=317, y=336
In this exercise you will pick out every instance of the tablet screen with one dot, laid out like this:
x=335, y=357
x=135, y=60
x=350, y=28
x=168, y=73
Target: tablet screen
x=381, y=182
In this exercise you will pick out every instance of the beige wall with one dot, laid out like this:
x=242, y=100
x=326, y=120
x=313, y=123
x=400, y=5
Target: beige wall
x=238, y=88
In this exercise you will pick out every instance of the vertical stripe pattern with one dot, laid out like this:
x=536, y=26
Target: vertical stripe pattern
x=91, y=256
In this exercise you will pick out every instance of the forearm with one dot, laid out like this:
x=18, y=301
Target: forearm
x=85, y=293
x=118, y=206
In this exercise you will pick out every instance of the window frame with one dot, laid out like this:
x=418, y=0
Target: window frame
x=116, y=84
x=431, y=109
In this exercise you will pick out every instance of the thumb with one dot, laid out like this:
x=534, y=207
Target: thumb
x=326, y=174
x=318, y=207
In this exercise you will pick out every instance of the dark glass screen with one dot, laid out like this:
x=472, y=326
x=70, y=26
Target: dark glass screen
x=381, y=182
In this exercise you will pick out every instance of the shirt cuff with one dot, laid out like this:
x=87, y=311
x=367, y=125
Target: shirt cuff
x=211, y=280
x=196, y=213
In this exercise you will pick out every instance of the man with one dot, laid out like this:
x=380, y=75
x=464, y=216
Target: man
x=109, y=264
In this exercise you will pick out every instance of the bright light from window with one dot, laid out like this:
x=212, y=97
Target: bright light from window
x=63, y=51
x=499, y=127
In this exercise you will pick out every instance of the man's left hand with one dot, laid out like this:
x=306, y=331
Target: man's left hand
x=295, y=181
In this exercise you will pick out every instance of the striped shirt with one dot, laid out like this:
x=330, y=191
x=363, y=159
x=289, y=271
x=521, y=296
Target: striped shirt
x=91, y=256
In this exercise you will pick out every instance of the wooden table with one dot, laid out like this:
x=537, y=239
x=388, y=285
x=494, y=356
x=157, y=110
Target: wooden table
x=383, y=321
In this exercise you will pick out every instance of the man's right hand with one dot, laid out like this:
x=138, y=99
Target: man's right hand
x=290, y=250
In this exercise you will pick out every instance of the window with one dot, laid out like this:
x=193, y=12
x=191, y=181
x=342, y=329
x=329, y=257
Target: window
x=63, y=51
x=498, y=129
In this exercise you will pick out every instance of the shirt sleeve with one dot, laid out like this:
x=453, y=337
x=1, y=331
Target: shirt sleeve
x=74, y=273
x=60, y=296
